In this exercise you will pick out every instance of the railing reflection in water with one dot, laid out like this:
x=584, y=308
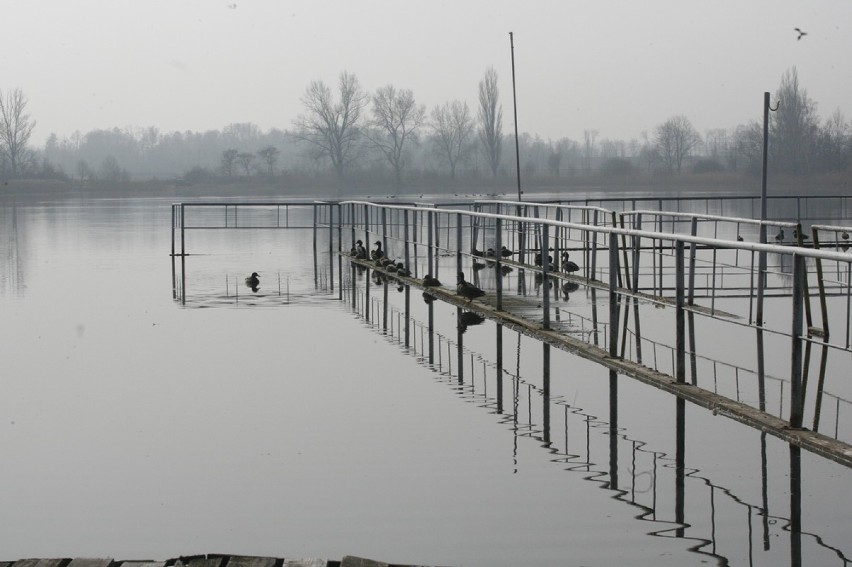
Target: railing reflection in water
x=659, y=484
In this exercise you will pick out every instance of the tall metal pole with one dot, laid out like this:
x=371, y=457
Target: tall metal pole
x=761, y=257
x=515, y=106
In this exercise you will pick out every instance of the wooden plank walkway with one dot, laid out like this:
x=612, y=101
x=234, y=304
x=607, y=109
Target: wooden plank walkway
x=210, y=560
x=815, y=442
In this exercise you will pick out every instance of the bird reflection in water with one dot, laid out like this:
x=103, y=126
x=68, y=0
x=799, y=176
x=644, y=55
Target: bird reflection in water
x=568, y=288
x=469, y=318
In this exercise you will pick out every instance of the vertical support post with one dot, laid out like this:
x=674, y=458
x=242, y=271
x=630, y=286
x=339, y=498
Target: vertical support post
x=458, y=243
x=498, y=267
x=637, y=249
x=545, y=282
x=430, y=254
x=385, y=232
x=796, y=401
x=174, y=275
x=405, y=234
x=761, y=256
x=613, y=295
x=330, y=207
x=315, y=245
x=680, y=342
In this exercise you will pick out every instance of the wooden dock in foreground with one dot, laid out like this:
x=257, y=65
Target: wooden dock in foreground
x=210, y=560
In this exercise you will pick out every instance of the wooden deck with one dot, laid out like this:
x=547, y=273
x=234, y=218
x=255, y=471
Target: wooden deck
x=211, y=560
x=513, y=316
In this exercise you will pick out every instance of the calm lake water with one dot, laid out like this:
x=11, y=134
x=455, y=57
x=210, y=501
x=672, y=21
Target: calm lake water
x=283, y=423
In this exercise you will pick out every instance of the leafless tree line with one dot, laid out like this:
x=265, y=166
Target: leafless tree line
x=352, y=133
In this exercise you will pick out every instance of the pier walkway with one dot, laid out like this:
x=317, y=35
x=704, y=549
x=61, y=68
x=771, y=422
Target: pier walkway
x=776, y=286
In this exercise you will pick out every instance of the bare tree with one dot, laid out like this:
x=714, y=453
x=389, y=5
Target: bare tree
x=244, y=160
x=490, y=119
x=269, y=155
x=453, y=128
x=15, y=128
x=229, y=158
x=793, y=127
x=396, y=119
x=331, y=125
x=675, y=138
x=589, y=148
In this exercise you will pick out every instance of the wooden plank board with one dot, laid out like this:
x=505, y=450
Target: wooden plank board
x=352, y=561
x=141, y=564
x=200, y=561
x=91, y=562
x=58, y=562
x=304, y=562
x=245, y=561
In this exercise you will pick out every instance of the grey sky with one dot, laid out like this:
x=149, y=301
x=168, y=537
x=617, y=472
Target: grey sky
x=620, y=67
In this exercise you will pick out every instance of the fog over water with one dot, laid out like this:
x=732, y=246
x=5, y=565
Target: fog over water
x=618, y=67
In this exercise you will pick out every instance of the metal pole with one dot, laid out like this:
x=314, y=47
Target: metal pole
x=613, y=296
x=761, y=256
x=545, y=261
x=796, y=401
x=498, y=267
x=515, y=106
x=680, y=344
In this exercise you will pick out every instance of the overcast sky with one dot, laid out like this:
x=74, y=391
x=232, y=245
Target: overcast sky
x=620, y=67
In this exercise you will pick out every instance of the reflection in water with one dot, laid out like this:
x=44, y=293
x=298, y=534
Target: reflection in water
x=12, y=274
x=648, y=472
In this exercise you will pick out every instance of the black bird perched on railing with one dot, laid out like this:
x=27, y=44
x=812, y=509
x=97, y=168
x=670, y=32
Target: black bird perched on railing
x=796, y=234
x=569, y=265
x=377, y=253
x=505, y=252
x=253, y=281
x=476, y=252
x=402, y=270
x=429, y=281
x=467, y=289
x=780, y=236
x=360, y=251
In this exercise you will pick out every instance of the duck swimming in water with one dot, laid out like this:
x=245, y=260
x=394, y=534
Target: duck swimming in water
x=253, y=281
x=467, y=289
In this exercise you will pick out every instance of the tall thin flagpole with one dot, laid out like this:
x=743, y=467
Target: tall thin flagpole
x=515, y=105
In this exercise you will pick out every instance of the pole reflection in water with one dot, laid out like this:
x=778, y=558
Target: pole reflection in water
x=717, y=509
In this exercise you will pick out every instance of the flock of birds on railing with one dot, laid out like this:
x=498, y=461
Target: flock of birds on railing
x=464, y=288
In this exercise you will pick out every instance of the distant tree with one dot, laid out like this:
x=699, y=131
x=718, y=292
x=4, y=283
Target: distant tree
x=244, y=160
x=490, y=119
x=675, y=138
x=589, y=148
x=793, y=127
x=617, y=166
x=747, y=148
x=111, y=172
x=554, y=160
x=229, y=159
x=16, y=127
x=269, y=155
x=452, y=125
x=84, y=171
x=834, y=143
x=396, y=120
x=332, y=125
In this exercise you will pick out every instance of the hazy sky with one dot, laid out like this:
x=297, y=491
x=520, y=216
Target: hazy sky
x=620, y=67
